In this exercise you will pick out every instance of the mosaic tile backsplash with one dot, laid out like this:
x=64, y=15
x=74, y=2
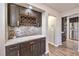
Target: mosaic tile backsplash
x=24, y=31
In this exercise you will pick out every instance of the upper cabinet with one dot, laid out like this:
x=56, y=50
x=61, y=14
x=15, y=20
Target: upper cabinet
x=13, y=15
x=22, y=16
x=23, y=10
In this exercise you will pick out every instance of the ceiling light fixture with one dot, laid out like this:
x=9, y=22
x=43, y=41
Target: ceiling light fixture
x=30, y=7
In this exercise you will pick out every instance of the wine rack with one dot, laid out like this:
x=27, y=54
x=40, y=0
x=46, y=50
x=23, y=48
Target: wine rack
x=27, y=20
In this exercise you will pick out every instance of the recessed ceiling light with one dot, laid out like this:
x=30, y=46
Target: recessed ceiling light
x=30, y=7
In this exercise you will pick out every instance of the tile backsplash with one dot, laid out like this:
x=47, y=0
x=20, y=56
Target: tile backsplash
x=24, y=31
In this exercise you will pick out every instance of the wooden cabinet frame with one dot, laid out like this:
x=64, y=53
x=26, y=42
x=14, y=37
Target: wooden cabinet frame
x=35, y=47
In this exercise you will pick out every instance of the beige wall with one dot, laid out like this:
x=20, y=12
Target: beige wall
x=51, y=29
x=44, y=27
x=70, y=12
x=2, y=29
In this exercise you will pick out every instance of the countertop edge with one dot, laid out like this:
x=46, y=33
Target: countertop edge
x=23, y=39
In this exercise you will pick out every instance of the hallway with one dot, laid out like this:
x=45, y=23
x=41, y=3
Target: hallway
x=61, y=51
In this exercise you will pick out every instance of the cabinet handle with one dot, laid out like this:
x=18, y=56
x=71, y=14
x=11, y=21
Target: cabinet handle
x=18, y=52
x=31, y=42
x=13, y=48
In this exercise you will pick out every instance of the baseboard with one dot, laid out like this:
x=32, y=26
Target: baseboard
x=54, y=44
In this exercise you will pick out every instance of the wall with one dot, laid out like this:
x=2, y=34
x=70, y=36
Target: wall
x=70, y=12
x=44, y=27
x=51, y=29
x=58, y=38
x=2, y=29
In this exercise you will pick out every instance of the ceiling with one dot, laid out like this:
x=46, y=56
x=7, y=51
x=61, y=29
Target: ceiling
x=62, y=7
x=27, y=6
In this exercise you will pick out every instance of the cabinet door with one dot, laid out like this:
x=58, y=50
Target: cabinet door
x=34, y=22
x=23, y=10
x=43, y=45
x=25, y=49
x=35, y=46
x=12, y=50
x=31, y=48
x=38, y=16
x=13, y=14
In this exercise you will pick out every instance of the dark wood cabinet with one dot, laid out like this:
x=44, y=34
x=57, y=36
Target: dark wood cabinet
x=35, y=46
x=43, y=45
x=13, y=15
x=23, y=10
x=30, y=48
x=12, y=50
x=25, y=49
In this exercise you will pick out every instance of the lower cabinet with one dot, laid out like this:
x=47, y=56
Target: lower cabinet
x=43, y=46
x=12, y=50
x=25, y=49
x=30, y=48
x=36, y=48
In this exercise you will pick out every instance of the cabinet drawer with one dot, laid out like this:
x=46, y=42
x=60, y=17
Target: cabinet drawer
x=12, y=47
x=25, y=44
x=35, y=41
x=12, y=50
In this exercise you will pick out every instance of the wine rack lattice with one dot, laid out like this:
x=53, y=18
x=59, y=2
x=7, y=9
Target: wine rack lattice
x=27, y=20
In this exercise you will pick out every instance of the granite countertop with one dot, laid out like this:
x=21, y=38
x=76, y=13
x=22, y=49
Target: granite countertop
x=22, y=39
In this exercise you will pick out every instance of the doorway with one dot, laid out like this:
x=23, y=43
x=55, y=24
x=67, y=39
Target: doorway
x=64, y=29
